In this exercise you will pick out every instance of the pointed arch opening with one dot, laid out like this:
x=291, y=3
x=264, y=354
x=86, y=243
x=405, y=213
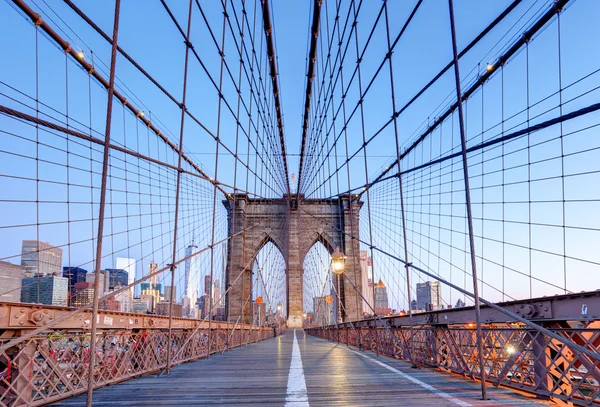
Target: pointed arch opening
x=268, y=292
x=318, y=284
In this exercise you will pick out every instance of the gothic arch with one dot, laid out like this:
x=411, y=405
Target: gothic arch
x=260, y=242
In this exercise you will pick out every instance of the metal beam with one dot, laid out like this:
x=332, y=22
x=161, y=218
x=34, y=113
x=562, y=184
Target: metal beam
x=581, y=307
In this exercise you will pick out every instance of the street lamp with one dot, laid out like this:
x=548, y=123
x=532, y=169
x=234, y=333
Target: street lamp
x=337, y=261
x=279, y=307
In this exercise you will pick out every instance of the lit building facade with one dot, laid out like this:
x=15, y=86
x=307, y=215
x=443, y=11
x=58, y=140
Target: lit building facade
x=74, y=275
x=322, y=312
x=152, y=288
x=192, y=278
x=11, y=276
x=381, y=299
x=128, y=265
x=366, y=272
x=40, y=258
x=49, y=290
x=429, y=296
x=83, y=294
x=118, y=277
x=162, y=308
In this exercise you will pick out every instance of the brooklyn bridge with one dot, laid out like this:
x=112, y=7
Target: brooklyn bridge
x=295, y=203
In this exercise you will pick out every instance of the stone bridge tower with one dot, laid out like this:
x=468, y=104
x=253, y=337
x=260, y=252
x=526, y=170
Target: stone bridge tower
x=293, y=226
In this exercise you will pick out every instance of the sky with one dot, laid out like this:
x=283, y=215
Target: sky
x=140, y=215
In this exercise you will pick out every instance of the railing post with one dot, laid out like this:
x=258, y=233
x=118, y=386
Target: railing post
x=540, y=364
x=178, y=189
x=401, y=193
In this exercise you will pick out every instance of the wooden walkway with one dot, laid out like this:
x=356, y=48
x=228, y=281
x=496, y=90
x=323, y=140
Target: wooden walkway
x=322, y=374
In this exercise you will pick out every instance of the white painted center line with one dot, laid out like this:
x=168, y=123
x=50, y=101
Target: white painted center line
x=416, y=381
x=297, y=395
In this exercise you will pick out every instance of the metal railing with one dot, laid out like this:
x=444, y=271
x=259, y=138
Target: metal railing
x=514, y=355
x=55, y=365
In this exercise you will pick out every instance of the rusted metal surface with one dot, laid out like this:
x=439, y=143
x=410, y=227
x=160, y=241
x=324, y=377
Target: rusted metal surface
x=569, y=307
x=54, y=365
x=514, y=355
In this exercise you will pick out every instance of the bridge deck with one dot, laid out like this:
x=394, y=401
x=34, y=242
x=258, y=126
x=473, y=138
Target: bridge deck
x=260, y=374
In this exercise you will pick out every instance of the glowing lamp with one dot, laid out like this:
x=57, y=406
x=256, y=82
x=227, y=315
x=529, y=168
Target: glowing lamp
x=510, y=350
x=259, y=300
x=337, y=261
x=329, y=299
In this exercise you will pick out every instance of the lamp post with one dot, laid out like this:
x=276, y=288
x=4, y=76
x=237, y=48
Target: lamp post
x=338, y=261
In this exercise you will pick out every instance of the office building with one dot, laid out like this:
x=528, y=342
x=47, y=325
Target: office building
x=103, y=281
x=217, y=300
x=83, y=294
x=167, y=293
x=366, y=272
x=129, y=266
x=11, y=277
x=322, y=312
x=117, y=277
x=142, y=305
x=381, y=299
x=259, y=313
x=192, y=274
x=74, y=275
x=44, y=289
x=204, y=306
x=162, y=308
x=152, y=288
x=110, y=304
x=124, y=299
x=429, y=296
x=40, y=258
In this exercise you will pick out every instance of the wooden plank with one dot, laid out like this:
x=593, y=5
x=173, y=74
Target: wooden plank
x=335, y=376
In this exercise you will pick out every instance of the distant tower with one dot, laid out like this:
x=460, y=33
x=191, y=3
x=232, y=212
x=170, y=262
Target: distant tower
x=381, y=298
x=192, y=278
x=429, y=296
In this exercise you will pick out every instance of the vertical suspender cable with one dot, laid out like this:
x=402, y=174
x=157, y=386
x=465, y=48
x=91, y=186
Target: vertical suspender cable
x=398, y=161
x=178, y=187
x=465, y=166
x=105, y=159
x=218, y=138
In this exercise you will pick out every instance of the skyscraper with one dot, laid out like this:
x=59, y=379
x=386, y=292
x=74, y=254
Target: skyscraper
x=118, y=277
x=192, y=276
x=322, y=311
x=152, y=288
x=50, y=290
x=381, y=299
x=366, y=272
x=128, y=265
x=429, y=296
x=40, y=258
x=168, y=293
x=74, y=275
x=10, y=282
